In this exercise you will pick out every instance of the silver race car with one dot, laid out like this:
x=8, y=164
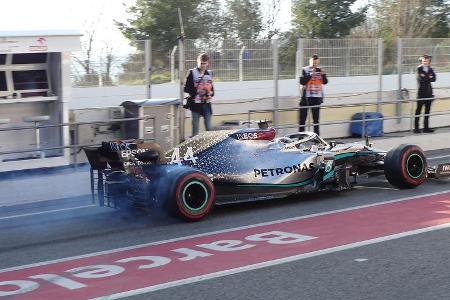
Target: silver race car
x=248, y=164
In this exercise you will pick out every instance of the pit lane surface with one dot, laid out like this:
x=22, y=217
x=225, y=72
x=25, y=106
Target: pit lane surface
x=413, y=267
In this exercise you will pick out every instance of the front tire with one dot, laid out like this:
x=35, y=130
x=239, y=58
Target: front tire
x=405, y=167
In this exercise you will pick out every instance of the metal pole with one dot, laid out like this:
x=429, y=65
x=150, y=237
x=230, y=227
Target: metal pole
x=363, y=131
x=172, y=63
x=148, y=68
x=241, y=64
x=275, y=80
x=298, y=70
x=399, y=70
x=75, y=147
x=380, y=74
x=347, y=60
x=299, y=59
x=181, y=76
x=100, y=78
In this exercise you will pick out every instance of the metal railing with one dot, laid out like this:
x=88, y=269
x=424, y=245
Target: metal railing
x=363, y=120
x=75, y=146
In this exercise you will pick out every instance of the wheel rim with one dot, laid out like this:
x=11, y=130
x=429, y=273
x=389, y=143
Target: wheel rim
x=415, y=166
x=195, y=196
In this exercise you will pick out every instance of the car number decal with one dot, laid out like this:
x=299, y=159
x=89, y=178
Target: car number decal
x=188, y=156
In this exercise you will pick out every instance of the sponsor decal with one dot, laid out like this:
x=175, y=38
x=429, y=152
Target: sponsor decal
x=247, y=136
x=41, y=45
x=285, y=170
x=77, y=278
x=131, y=153
x=329, y=166
x=444, y=169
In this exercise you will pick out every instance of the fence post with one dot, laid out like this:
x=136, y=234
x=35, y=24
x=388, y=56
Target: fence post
x=380, y=75
x=75, y=146
x=399, y=70
x=241, y=64
x=363, y=131
x=148, y=68
x=347, y=59
x=100, y=78
x=275, y=80
x=411, y=114
x=299, y=59
x=181, y=76
x=172, y=64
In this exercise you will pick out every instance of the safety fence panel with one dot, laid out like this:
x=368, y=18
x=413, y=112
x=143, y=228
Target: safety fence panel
x=413, y=48
x=343, y=57
x=233, y=60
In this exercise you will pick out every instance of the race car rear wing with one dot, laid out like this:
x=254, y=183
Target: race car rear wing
x=118, y=157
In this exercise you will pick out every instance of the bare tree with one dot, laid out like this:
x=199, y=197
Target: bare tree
x=85, y=61
x=274, y=8
x=110, y=60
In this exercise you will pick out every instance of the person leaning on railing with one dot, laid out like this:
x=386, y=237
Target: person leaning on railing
x=425, y=76
x=312, y=80
x=199, y=86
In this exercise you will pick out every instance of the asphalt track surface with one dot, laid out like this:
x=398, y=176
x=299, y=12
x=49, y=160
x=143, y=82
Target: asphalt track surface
x=410, y=266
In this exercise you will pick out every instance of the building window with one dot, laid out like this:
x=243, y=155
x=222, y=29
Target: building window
x=29, y=58
x=3, y=81
x=26, y=73
x=30, y=80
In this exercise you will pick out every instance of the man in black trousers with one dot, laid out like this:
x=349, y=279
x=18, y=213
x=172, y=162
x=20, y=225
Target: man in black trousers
x=425, y=76
x=312, y=81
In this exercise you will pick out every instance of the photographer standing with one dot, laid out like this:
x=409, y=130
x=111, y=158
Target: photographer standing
x=312, y=81
x=425, y=76
x=199, y=86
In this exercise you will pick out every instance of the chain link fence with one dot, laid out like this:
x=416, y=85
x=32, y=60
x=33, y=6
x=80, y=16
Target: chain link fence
x=342, y=57
x=232, y=60
x=413, y=48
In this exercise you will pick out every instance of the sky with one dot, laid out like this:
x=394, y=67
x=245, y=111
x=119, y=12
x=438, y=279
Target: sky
x=84, y=14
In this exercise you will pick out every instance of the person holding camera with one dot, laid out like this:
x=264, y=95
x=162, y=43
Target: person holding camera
x=425, y=76
x=199, y=86
x=312, y=80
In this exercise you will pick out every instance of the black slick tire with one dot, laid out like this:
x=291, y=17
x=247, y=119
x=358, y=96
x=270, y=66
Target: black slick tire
x=405, y=166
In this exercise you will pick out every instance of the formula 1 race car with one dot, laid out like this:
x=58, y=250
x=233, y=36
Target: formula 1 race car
x=248, y=164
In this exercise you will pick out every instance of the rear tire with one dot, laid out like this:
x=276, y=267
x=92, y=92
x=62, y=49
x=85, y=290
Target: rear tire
x=191, y=195
x=405, y=167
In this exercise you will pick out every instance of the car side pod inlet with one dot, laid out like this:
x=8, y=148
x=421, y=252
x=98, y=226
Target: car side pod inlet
x=405, y=167
x=190, y=194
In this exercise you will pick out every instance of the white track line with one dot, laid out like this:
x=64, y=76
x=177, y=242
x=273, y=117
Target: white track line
x=45, y=212
x=217, y=232
x=269, y=263
x=363, y=187
x=438, y=157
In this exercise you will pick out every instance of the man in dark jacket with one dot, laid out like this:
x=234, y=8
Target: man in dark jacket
x=312, y=81
x=199, y=86
x=425, y=76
